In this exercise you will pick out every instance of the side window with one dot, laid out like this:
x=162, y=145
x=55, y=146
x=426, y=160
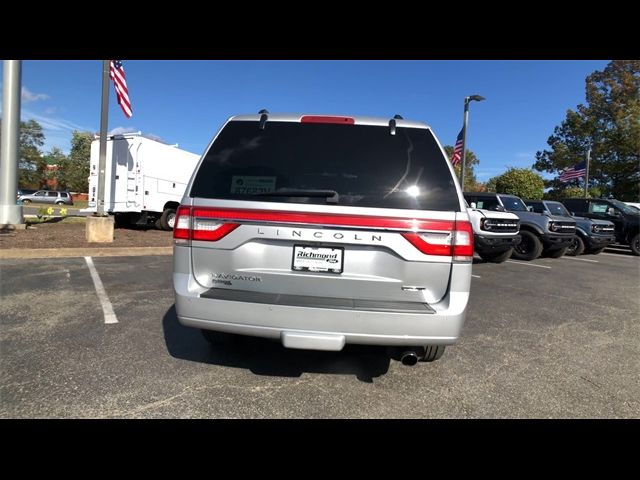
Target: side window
x=40, y=194
x=489, y=204
x=537, y=207
x=598, y=207
x=65, y=194
x=52, y=194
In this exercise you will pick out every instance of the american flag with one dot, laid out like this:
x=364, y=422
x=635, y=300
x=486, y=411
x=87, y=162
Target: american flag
x=457, y=149
x=116, y=72
x=574, y=172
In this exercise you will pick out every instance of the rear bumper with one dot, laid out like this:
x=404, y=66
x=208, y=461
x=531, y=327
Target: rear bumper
x=324, y=328
x=484, y=244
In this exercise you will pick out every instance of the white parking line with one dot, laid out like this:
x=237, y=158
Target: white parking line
x=527, y=264
x=619, y=255
x=580, y=259
x=107, y=309
x=476, y=276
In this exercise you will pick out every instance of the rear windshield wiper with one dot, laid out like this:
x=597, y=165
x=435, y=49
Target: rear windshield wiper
x=331, y=195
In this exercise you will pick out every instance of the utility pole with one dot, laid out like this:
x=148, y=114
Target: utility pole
x=10, y=211
x=586, y=174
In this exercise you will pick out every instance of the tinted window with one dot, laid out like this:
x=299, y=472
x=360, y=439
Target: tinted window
x=537, y=207
x=576, y=206
x=365, y=165
x=556, y=208
x=40, y=194
x=52, y=194
x=489, y=203
x=513, y=204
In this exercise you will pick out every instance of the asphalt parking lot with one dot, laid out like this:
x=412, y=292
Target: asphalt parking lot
x=553, y=338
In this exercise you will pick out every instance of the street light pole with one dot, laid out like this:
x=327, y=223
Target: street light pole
x=467, y=101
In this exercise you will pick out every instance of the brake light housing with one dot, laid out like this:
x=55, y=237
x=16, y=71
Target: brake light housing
x=454, y=240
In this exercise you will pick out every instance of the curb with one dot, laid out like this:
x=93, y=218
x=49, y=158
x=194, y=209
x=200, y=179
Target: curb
x=84, y=252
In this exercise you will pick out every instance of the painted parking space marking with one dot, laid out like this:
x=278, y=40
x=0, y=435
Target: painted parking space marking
x=476, y=276
x=619, y=255
x=107, y=308
x=580, y=259
x=527, y=264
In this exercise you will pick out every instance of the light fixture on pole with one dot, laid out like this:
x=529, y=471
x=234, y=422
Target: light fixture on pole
x=467, y=100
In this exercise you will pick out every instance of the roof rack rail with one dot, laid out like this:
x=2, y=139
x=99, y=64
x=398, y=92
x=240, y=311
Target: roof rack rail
x=264, y=115
x=392, y=124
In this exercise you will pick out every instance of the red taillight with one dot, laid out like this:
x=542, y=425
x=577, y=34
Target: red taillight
x=463, y=241
x=182, y=224
x=209, y=231
x=455, y=240
x=196, y=224
x=327, y=119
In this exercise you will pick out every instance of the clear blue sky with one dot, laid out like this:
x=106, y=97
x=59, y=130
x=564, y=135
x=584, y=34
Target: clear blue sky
x=185, y=102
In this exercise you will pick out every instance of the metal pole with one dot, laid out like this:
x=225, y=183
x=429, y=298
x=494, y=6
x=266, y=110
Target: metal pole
x=10, y=211
x=586, y=176
x=464, y=141
x=104, y=120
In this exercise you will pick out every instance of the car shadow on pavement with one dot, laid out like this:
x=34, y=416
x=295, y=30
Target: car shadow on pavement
x=265, y=357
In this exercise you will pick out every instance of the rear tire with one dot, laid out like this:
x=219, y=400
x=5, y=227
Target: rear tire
x=432, y=353
x=26, y=201
x=556, y=253
x=168, y=219
x=635, y=244
x=496, y=257
x=595, y=251
x=59, y=203
x=576, y=248
x=529, y=248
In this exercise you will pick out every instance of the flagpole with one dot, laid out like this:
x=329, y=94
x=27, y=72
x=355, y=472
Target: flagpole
x=464, y=141
x=586, y=176
x=104, y=120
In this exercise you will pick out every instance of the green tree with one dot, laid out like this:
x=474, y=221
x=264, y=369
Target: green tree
x=73, y=172
x=490, y=185
x=522, y=182
x=32, y=168
x=572, y=192
x=470, y=182
x=56, y=157
x=610, y=124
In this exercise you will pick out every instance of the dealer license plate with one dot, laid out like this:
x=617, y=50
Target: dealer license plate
x=320, y=259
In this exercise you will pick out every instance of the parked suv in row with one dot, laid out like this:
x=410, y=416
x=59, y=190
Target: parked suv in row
x=321, y=231
x=540, y=234
x=47, y=196
x=494, y=233
x=592, y=235
x=625, y=218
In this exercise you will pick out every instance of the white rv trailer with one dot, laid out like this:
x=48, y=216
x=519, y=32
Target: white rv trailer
x=145, y=179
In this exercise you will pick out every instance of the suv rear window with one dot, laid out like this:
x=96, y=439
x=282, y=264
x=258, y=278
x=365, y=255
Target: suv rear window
x=365, y=165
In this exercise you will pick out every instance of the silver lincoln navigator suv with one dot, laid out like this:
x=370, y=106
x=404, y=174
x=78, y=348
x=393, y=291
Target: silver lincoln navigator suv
x=324, y=230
